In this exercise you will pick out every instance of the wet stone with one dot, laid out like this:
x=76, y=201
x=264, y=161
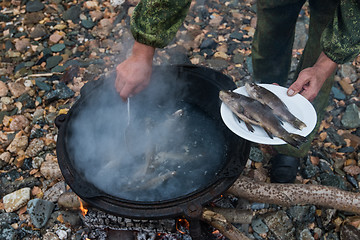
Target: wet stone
x=12, y=175
x=40, y=211
x=306, y=235
x=259, y=226
x=69, y=200
x=256, y=154
x=36, y=133
x=34, y=6
x=7, y=232
x=3, y=89
x=39, y=31
x=50, y=170
x=69, y=217
x=27, y=164
x=88, y=24
x=348, y=232
x=4, y=17
x=237, y=35
x=238, y=58
x=352, y=181
x=208, y=43
x=338, y=94
x=33, y=18
x=17, y=89
x=61, y=92
x=57, y=47
x=55, y=192
x=351, y=117
x=8, y=218
x=217, y=64
x=19, y=67
x=347, y=70
x=18, y=122
x=42, y=85
x=280, y=225
x=335, y=138
x=50, y=118
x=332, y=180
x=50, y=236
x=15, y=185
x=346, y=150
x=37, y=161
x=36, y=145
x=302, y=214
x=325, y=166
x=331, y=236
x=16, y=200
x=207, y=52
x=2, y=164
x=259, y=206
x=309, y=171
x=53, y=61
x=72, y=14
x=58, y=69
x=29, y=64
x=19, y=143
x=27, y=101
x=22, y=44
x=62, y=234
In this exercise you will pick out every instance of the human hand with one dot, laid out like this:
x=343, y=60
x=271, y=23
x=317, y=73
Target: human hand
x=133, y=75
x=310, y=80
x=308, y=83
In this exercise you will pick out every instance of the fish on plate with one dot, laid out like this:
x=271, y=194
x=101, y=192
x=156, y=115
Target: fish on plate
x=275, y=103
x=251, y=111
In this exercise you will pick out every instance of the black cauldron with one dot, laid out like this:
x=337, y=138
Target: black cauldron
x=202, y=89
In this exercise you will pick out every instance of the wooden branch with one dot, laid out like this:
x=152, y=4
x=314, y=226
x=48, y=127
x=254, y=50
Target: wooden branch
x=234, y=215
x=220, y=223
x=293, y=194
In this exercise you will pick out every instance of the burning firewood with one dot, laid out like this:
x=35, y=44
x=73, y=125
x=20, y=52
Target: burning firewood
x=219, y=222
x=293, y=194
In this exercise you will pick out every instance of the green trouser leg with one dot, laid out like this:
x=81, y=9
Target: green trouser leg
x=320, y=15
x=273, y=39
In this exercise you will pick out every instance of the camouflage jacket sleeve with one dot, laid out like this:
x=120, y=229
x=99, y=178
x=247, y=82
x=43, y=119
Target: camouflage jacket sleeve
x=341, y=39
x=155, y=22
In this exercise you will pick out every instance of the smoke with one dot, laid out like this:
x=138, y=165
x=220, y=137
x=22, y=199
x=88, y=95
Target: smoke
x=174, y=148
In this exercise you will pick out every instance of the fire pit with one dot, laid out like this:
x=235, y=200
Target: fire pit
x=192, y=155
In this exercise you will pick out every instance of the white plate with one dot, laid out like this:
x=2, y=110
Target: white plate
x=297, y=105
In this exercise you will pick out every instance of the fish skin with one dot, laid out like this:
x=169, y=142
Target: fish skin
x=254, y=112
x=274, y=102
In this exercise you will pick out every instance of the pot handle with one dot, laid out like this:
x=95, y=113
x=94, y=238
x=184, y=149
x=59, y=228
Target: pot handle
x=59, y=120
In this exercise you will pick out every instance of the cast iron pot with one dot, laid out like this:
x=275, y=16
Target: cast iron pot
x=203, y=86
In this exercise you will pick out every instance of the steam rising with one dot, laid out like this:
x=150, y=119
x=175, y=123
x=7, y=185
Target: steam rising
x=172, y=149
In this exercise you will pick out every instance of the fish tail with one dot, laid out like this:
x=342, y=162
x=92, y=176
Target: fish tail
x=294, y=140
x=298, y=124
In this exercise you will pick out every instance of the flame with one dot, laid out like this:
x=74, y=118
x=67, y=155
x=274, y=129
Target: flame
x=216, y=232
x=182, y=225
x=83, y=209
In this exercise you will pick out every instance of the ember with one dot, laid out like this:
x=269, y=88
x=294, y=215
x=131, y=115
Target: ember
x=182, y=226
